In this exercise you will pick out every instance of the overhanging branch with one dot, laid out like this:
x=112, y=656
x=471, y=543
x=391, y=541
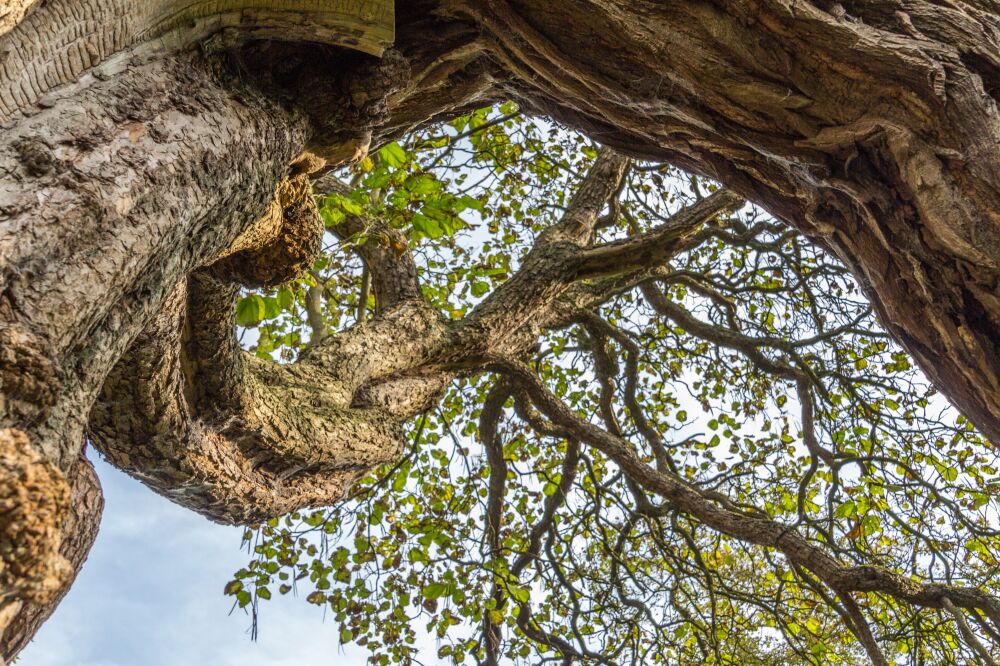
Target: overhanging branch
x=752, y=528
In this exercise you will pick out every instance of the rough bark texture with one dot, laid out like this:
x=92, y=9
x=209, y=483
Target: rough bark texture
x=64, y=38
x=13, y=12
x=78, y=532
x=109, y=198
x=35, y=497
x=136, y=181
x=112, y=193
x=238, y=439
x=128, y=163
x=871, y=126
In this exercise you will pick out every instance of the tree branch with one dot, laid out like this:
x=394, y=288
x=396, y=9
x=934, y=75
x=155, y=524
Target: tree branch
x=658, y=245
x=386, y=251
x=488, y=422
x=752, y=528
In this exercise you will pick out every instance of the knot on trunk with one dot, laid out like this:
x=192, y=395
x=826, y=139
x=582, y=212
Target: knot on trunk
x=29, y=379
x=34, y=500
x=345, y=95
x=281, y=246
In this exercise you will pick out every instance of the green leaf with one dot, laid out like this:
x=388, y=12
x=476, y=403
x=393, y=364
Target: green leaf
x=331, y=216
x=435, y=590
x=271, y=307
x=393, y=155
x=846, y=510
x=427, y=226
x=423, y=184
x=465, y=202
x=399, y=483
x=342, y=203
x=521, y=594
x=286, y=299
x=250, y=311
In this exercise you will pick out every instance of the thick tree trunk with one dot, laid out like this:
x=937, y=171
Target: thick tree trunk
x=79, y=529
x=114, y=189
x=871, y=126
x=108, y=199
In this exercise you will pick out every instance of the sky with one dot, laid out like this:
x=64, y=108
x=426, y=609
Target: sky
x=151, y=595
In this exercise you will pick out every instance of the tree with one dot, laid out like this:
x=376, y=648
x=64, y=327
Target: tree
x=634, y=455
x=172, y=141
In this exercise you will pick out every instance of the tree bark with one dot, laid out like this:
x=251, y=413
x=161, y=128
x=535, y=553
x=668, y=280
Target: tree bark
x=78, y=532
x=117, y=187
x=109, y=197
x=62, y=39
x=873, y=127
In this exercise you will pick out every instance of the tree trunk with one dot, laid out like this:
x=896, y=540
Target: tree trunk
x=873, y=127
x=79, y=530
x=114, y=189
x=109, y=198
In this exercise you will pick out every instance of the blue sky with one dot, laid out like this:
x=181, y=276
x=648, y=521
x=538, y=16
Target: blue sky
x=151, y=595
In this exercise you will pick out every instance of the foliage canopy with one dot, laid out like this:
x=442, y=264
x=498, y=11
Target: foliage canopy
x=748, y=367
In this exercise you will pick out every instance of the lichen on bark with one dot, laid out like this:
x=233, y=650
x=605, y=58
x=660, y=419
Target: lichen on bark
x=34, y=498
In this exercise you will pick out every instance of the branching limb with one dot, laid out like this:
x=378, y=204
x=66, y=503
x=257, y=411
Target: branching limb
x=601, y=185
x=531, y=297
x=967, y=634
x=241, y=439
x=489, y=421
x=862, y=630
x=658, y=245
x=752, y=528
